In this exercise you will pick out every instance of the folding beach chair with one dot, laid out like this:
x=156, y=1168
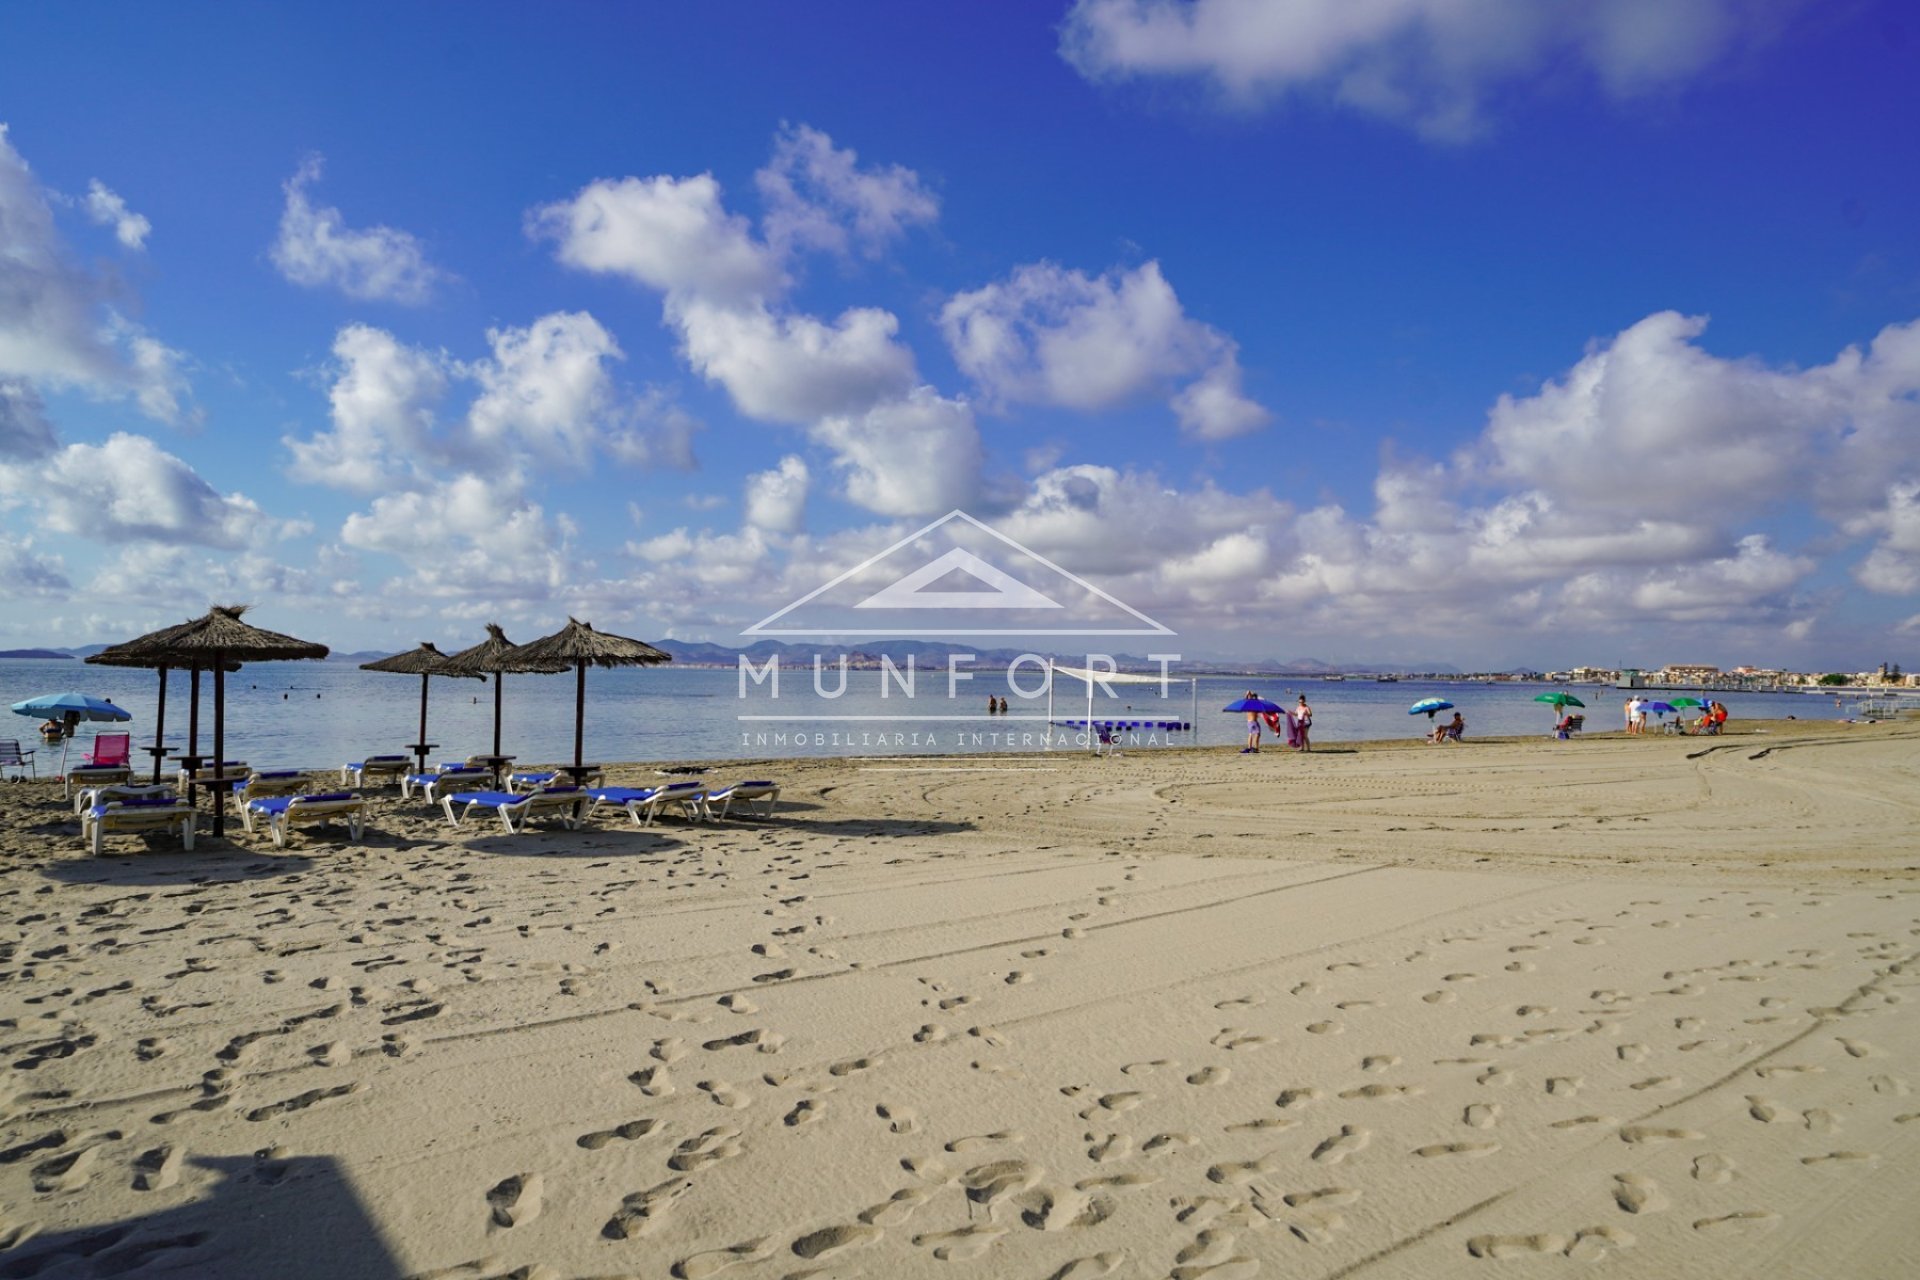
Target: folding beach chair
x=12, y=757
x=87, y=797
x=450, y=778
x=643, y=804
x=110, y=750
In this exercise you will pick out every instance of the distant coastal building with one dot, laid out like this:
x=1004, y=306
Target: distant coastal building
x=1687, y=673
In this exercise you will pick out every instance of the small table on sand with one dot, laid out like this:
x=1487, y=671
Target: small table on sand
x=498, y=764
x=420, y=749
x=579, y=775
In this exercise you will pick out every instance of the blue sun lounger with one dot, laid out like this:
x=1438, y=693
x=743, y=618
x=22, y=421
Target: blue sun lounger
x=282, y=812
x=643, y=804
x=119, y=817
x=564, y=801
x=356, y=772
x=449, y=779
x=746, y=793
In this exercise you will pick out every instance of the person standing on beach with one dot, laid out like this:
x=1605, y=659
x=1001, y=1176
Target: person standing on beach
x=1253, y=727
x=1302, y=721
x=1627, y=707
x=1640, y=715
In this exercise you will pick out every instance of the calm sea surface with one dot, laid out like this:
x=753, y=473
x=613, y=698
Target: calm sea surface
x=319, y=714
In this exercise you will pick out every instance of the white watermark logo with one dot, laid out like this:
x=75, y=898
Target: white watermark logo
x=956, y=577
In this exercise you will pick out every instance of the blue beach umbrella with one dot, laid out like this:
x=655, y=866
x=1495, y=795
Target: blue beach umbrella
x=1252, y=703
x=1430, y=706
x=70, y=708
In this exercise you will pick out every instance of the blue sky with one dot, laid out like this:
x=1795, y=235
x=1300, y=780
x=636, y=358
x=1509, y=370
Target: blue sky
x=1489, y=333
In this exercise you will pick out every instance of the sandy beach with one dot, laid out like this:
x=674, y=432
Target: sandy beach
x=1617, y=1006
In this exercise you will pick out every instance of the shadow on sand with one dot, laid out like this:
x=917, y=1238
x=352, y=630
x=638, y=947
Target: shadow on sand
x=162, y=862
x=293, y=1219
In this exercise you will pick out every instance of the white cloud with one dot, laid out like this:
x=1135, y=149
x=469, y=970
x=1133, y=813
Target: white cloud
x=792, y=367
x=1431, y=64
x=776, y=500
x=1213, y=406
x=467, y=536
x=316, y=248
x=24, y=429
x=383, y=404
x=919, y=455
x=25, y=572
x=58, y=327
x=546, y=389
x=129, y=489
x=669, y=234
x=818, y=197
x=1048, y=335
x=657, y=433
x=107, y=209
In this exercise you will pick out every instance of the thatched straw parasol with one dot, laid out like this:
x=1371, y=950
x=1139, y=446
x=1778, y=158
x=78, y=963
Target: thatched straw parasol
x=425, y=662
x=119, y=655
x=492, y=657
x=579, y=646
x=219, y=639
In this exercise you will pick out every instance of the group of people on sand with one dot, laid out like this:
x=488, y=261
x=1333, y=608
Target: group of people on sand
x=1294, y=722
x=1713, y=714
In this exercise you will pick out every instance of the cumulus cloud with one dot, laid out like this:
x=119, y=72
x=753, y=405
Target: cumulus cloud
x=129, y=489
x=467, y=536
x=25, y=432
x=776, y=500
x=383, y=404
x=918, y=455
x=818, y=197
x=546, y=388
x=25, y=572
x=656, y=433
x=59, y=327
x=792, y=367
x=1050, y=335
x=107, y=209
x=317, y=249
x=1430, y=64
x=669, y=234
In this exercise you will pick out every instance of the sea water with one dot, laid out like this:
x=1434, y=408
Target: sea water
x=320, y=714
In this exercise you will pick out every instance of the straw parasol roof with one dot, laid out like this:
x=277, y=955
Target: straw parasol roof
x=578, y=643
x=579, y=646
x=493, y=656
x=219, y=639
x=423, y=661
x=219, y=634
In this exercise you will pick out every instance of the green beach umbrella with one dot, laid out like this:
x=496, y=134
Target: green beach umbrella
x=1686, y=702
x=1559, y=700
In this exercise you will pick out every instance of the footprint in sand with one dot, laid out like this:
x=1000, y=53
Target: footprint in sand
x=989, y=1183
x=961, y=1145
x=1767, y=1112
x=1298, y=1097
x=932, y=1033
x=1842, y=1157
x=643, y=1211
x=1640, y=1134
x=653, y=1081
x=1350, y=1140
x=1019, y=977
x=515, y=1201
x=1325, y=1028
x=1440, y=997
x=1746, y=1220
x=627, y=1132
x=1377, y=1092
x=1109, y=1146
x=1637, y=1193
x=1261, y=1125
x=961, y=1245
x=301, y=1101
x=852, y=1066
x=714, y=1261
x=1595, y=1243
x=1379, y=1062
x=990, y=1035
x=896, y=1209
x=1481, y=1115
x=1239, y=1173
x=738, y=1004
x=1564, y=1086
x=68, y=1172
x=1063, y=1209
x=1147, y=1068
x=805, y=1112
x=1467, y=1150
x=761, y=1039
x=158, y=1169
x=1632, y=1052
x=1517, y=1246
x=671, y=1049
x=719, y=1143
x=1857, y=1048
x=1161, y=1144
x=1209, y=1076
x=1713, y=1168
x=901, y=1120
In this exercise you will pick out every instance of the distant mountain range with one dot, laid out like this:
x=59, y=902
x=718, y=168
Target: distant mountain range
x=695, y=653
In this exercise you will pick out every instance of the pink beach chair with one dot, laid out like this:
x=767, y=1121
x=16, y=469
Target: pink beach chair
x=110, y=750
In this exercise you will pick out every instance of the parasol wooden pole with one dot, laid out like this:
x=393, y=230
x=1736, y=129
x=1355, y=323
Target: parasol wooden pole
x=579, y=708
x=193, y=714
x=160, y=727
x=219, y=740
x=420, y=743
x=496, y=711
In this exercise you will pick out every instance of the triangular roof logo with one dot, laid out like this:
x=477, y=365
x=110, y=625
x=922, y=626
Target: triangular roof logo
x=1029, y=603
